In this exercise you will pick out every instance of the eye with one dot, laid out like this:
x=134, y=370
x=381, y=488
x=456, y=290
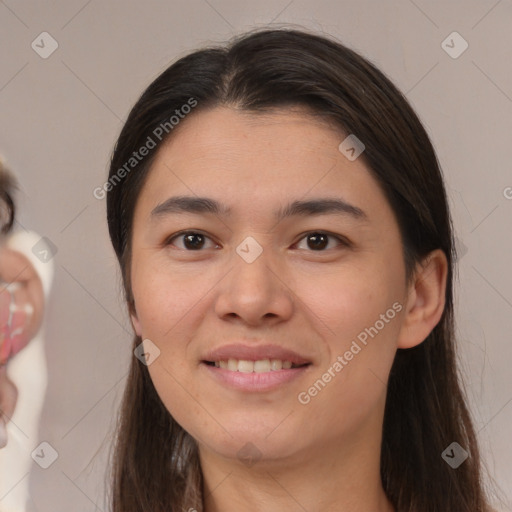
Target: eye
x=319, y=240
x=192, y=240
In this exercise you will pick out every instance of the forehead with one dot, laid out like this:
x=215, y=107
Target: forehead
x=225, y=132
x=256, y=161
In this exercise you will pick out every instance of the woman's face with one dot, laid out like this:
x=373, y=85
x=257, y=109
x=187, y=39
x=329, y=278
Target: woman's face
x=273, y=281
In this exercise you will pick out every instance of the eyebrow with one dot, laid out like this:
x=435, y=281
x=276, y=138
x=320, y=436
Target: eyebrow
x=205, y=205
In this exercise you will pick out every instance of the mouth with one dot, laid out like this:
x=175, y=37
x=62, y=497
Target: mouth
x=253, y=368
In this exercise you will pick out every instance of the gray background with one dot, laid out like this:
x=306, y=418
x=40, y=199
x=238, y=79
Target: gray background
x=59, y=118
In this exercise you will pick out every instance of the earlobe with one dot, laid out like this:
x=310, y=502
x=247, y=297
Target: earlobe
x=425, y=301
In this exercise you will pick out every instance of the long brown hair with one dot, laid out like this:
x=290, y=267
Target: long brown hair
x=155, y=463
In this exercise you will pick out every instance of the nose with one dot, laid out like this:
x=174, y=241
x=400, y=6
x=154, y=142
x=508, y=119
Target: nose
x=254, y=293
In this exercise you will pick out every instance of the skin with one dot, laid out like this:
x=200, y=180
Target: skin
x=15, y=267
x=323, y=455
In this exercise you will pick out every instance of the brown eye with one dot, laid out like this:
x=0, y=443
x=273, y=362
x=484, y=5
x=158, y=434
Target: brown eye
x=192, y=240
x=318, y=240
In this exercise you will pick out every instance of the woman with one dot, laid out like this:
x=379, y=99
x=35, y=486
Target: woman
x=285, y=243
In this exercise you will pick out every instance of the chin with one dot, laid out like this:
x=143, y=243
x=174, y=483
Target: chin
x=251, y=446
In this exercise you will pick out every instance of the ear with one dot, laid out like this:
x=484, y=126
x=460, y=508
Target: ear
x=425, y=300
x=134, y=318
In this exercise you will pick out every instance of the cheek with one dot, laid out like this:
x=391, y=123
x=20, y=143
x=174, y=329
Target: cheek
x=346, y=303
x=163, y=300
x=359, y=315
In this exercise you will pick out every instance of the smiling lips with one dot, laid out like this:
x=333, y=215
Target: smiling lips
x=254, y=368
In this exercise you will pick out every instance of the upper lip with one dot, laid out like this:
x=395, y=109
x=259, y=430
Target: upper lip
x=254, y=353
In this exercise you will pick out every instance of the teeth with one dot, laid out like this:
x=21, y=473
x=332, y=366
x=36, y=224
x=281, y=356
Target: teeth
x=245, y=366
x=260, y=366
x=276, y=364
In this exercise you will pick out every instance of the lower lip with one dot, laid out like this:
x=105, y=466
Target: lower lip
x=256, y=382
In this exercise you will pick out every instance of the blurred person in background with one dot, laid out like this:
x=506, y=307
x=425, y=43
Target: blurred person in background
x=24, y=284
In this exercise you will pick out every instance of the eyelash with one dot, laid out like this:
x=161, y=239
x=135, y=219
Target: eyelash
x=342, y=241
